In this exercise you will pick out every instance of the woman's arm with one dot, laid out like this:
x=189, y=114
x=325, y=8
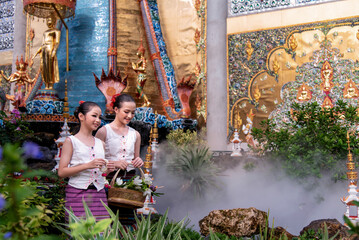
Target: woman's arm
x=66, y=171
x=137, y=161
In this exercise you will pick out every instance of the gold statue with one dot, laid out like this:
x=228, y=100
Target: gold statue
x=22, y=80
x=48, y=64
x=293, y=43
x=350, y=90
x=249, y=50
x=327, y=77
x=140, y=68
x=304, y=93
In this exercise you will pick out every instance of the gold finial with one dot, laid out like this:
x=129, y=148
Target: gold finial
x=155, y=129
x=147, y=164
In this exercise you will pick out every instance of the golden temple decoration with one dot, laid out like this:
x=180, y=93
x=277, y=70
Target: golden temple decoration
x=304, y=93
x=197, y=5
x=237, y=120
x=249, y=50
x=357, y=35
x=140, y=68
x=45, y=8
x=197, y=36
x=22, y=82
x=351, y=174
x=293, y=44
x=197, y=70
x=147, y=164
x=326, y=74
x=257, y=94
x=350, y=90
x=327, y=103
x=48, y=63
x=276, y=66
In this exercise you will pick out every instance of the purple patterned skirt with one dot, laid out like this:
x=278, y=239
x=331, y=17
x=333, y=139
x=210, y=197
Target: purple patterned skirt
x=92, y=198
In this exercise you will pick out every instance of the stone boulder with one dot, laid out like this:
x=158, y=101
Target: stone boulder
x=239, y=222
x=333, y=226
x=278, y=233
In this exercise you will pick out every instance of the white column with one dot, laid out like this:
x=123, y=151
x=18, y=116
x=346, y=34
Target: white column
x=216, y=74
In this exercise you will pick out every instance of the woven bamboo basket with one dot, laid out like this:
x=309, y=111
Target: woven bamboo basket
x=125, y=197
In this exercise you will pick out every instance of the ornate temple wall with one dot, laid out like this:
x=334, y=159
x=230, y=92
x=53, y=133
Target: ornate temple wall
x=272, y=54
x=179, y=22
x=130, y=32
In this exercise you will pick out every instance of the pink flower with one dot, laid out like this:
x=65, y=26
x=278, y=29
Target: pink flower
x=104, y=175
x=107, y=186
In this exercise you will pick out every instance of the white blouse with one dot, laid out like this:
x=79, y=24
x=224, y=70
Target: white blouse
x=83, y=154
x=120, y=147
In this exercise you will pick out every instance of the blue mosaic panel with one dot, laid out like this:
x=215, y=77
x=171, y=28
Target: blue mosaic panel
x=88, y=43
x=7, y=11
x=243, y=7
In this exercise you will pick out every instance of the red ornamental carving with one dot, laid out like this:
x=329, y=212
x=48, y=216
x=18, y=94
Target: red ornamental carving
x=110, y=85
x=44, y=8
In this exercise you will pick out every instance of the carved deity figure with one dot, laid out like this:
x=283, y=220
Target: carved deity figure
x=22, y=80
x=48, y=64
x=247, y=128
x=140, y=68
x=327, y=103
x=304, y=94
x=326, y=74
x=350, y=90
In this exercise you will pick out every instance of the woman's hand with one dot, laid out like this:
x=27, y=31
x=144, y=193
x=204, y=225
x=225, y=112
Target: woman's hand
x=111, y=166
x=96, y=163
x=122, y=164
x=137, y=162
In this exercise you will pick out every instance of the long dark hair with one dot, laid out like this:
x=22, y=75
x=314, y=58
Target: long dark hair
x=121, y=99
x=83, y=108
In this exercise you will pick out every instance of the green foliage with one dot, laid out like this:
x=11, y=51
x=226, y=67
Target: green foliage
x=186, y=232
x=13, y=129
x=195, y=167
x=313, y=142
x=320, y=234
x=26, y=213
x=111, y=228
x=179, y=138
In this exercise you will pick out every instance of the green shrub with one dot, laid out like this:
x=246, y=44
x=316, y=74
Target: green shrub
x=312, y=142
x=179, y=138
x=13, y=129
x=24, y=213
x=196, y=169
